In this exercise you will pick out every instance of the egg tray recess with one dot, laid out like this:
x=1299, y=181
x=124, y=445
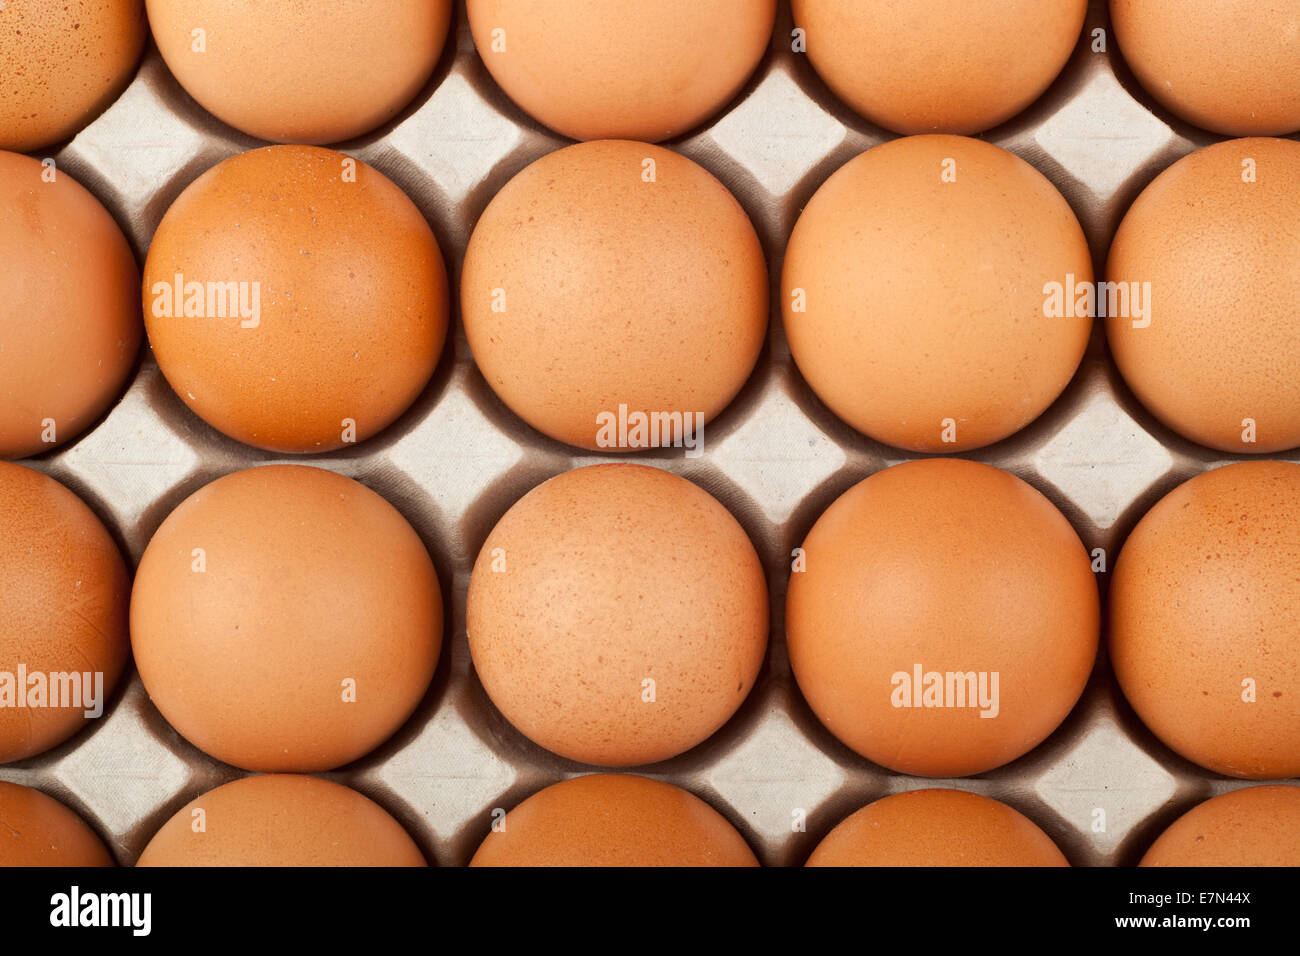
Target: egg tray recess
x=777, y=458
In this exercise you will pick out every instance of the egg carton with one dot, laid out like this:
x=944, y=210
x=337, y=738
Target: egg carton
x=777, y=458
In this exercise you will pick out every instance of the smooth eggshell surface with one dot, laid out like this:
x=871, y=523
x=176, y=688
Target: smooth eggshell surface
x=915, y=303
x=937, y=828
x=1255, y=826
x=63, y=610
x=954, y=567
x=286, y=618
x=70, y=325
x=600, y=580
x=1204, y=602
x=342, y=293
x=36, y=830
x=926, y=66
x=614, y=820
x=282, y=820
x=1217, y=357
x=587, y=287
x=302, y=71
x=621, y=69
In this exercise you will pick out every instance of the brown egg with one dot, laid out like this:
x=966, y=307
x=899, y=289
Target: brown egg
x=610, y=819
x=613, y=69
x=942, y=619
x=63, y=614
x=1230, y=66
x=295, y=299
x=1204, y=605
x=281, y=820
x=929, y=66
x=617, y=615
x=301, y=71
x=69, y=315
x=286, y=618
x=63, y=64
x=937, y=828
x=1215, y=354
x=36, y=830
x=916, y=303
x=1255, y=826
x=592, y=296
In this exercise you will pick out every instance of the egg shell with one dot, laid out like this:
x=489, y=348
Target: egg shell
x=1229, y=66
x=36, y=830
x=599, y=580
x=1205, y=596
x=950, y=566
x=286, y=618
x=1254, y=826
x=70, y=327
x=613, y=69
x=63, y=610
x=342, y=283
x=614, y=820
x=927, y=66
x=63, y=63
x=937, y=827
x=282, y=820
x=1220, y=343
x=302, y=71
x=915, y=306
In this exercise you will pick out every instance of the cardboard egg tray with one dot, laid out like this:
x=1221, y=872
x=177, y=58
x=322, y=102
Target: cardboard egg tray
x=777, y=458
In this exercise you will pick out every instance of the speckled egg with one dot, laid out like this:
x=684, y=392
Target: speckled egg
x=614, y=820
x=70, y=326
x=295, y=299
x=286, y=618
x=617, y=615
x=1209, y=250
x=615, y=296
x=926, y=66
x=937, y=828
x=1254, y=826
x=301, y=71
x=614, y=69
x=282, y=820
x=63, y=62
x=36, y=830
x=1204, y=602
x=942, y=618
x=934, y=293
x=63, y=614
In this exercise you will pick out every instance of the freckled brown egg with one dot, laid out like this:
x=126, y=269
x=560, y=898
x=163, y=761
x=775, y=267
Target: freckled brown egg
x=36, y=830
x=63, y=613
x=1230, y=66
x=70, y=326
x=286, y=618
x=937, y=828
x=617, y=615
x=1255, y=826
x=609, y=819
x=916, y=293
x=282, y=820
x=1210, y=249
x=295, y=299
x=944, y=618
x=1204, y=605
x=62, y=64
x=614, y=69
x=925, y=66
x=614, y=274
x=301, y=71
